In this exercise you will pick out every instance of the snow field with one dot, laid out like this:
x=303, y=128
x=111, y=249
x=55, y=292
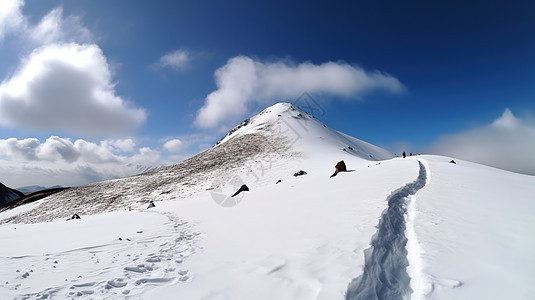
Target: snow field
x=85, y=257
x=292, y=240
x=475, y=228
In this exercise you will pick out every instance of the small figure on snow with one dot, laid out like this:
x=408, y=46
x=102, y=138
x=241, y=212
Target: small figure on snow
x=404, y=154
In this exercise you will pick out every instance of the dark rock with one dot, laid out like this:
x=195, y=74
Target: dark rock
x=278, y=181
x=340, y=167
x=151, y=205
x=452, y=162
x=243, y=188
x=8, y=195
x=242, y=124
x=301, y=172
x=75, y=216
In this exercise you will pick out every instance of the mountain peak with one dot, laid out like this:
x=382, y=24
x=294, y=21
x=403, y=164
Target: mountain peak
x=303, y=133
x=268, y=113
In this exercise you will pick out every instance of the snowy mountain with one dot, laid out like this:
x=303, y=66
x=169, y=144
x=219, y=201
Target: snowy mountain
x=388, y=228
x=8, y=195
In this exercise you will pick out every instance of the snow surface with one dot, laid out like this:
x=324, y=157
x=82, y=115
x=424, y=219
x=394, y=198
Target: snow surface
x=466, y=232
x=476, y=225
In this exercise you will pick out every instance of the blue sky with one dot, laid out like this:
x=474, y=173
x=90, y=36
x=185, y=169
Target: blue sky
x=89, y=87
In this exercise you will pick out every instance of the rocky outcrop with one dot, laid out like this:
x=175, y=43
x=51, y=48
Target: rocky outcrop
x=243, y=188
x=8, y=195
x=300, y=173
x=340, y=167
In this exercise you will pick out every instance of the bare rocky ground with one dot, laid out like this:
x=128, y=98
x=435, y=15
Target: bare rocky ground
x=178, y=181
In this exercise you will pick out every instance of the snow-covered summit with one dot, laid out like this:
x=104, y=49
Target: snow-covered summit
x=304, y=133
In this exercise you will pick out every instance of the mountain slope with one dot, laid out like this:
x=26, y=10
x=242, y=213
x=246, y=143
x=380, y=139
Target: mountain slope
x=278, y=137
x=8, y=195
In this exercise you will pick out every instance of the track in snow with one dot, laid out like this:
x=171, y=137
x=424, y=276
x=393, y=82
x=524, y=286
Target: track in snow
x=385, y=269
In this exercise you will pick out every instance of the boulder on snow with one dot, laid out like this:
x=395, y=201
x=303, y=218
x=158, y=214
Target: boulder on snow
x=75, y=216
x=340, y=167
x=151, y=205
x=278, y=181
x=301, y=172
x=243, y=188
x=452, y=162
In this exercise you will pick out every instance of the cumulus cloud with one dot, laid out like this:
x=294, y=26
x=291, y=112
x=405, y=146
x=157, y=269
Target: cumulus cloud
x=66, y=87
x=176, y=60
x=11, y=18
x=507, y=143
x=243, y=81
x=174, y=145
x=59, y=160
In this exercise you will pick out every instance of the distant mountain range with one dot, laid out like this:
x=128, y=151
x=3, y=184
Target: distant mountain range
x=26, y=190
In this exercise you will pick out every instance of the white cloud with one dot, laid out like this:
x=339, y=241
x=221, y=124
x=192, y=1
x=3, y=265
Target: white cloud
x=507, y=143
x=122, y=145
x=54, y=28
x=66, y=87
x=243, y=81
x=61, y=161
x=11, y=18
x=174, y=145
x=176, y=60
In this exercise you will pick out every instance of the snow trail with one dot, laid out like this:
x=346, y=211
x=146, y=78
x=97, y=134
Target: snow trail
x=419, y=283
x=385, y=273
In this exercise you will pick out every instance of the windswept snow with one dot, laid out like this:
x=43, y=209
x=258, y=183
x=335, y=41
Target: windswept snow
x=104, y=255
x=468, y=234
